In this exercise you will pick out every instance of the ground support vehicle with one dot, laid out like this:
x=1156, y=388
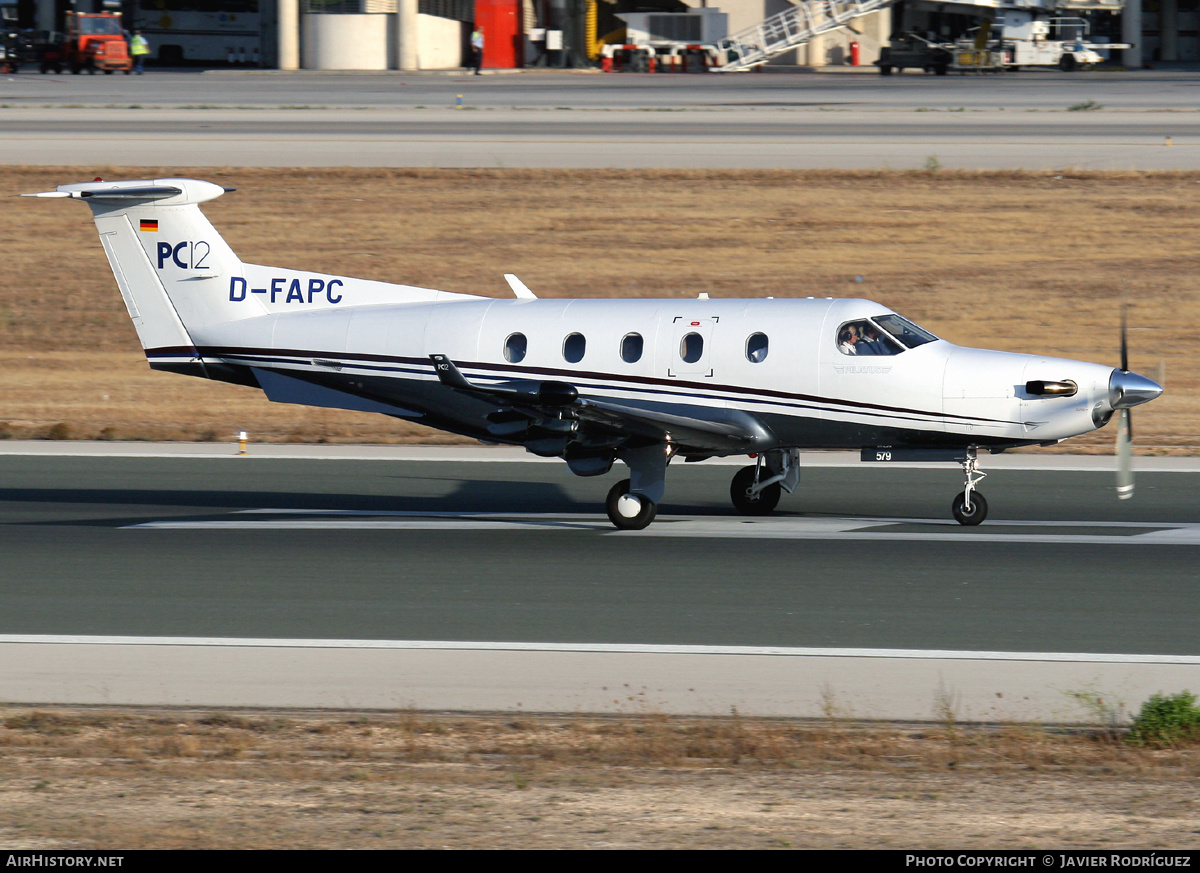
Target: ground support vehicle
x=46, y=51
x=968, y=58
x=95, y=41
x=911, y=51
x=10, y=40
x=1023, y=41
x=631, y=57
x=1052, y=42
x=658, y=58
x=10, y=52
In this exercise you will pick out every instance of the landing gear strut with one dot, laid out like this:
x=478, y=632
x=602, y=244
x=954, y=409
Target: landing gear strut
x=970, y=508
x=632, y=503
x=756, y=489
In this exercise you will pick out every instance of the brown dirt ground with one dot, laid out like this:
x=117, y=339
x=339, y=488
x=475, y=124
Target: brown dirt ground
x=170, y=779
x=1036, y=262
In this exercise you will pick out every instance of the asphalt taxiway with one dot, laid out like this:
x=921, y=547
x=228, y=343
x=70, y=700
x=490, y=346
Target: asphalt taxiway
x=1031, y=120
x=459, y=579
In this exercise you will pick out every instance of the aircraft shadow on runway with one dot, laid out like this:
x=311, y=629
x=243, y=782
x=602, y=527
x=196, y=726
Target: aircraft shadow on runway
x=466, y=497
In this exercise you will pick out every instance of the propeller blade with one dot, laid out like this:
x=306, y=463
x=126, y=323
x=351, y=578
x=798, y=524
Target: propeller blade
x=1124, y=342
x=1125, y=456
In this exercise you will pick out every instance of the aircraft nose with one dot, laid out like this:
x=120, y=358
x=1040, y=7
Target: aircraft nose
x=1126, y=389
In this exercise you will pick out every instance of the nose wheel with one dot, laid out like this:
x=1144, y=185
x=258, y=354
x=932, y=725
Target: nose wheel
x=969, y=515
x=629, y=511
x=970, y=508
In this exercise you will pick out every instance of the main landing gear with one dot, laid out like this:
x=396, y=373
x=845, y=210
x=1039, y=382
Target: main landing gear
x=629, y=511
x=756, y=489
x=632, y=503
x=970, y=508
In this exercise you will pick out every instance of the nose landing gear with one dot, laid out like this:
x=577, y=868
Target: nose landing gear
x=970, y=508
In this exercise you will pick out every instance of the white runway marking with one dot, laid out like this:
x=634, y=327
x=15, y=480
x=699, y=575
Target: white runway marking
x=728, y=527
x=531, y=677
x=607, y=648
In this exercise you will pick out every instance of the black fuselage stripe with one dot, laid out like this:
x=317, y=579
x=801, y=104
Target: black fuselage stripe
x=699, y=389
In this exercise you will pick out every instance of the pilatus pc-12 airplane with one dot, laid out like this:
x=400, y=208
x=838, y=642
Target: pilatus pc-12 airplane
x=594, y=381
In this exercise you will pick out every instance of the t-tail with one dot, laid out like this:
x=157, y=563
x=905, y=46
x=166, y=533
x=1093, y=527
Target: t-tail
x=181, y=281
x=167, y=259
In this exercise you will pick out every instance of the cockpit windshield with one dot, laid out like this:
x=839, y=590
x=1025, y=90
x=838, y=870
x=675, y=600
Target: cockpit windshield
x=882, y=335
x=904, y=330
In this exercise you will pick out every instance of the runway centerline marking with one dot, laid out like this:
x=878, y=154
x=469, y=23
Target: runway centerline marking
x=721, y=527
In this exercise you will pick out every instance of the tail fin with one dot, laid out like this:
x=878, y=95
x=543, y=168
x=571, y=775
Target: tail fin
x=181, y=281
x=171, y=265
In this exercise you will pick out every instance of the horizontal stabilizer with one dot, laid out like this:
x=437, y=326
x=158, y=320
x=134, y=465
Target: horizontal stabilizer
x=176, y=192
x=149, y=192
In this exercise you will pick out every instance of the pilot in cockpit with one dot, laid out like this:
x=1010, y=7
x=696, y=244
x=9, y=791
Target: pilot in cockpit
x=870, y=344
x=865, y=338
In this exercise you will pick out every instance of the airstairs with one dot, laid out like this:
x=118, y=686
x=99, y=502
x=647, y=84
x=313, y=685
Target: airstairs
x=789, y=29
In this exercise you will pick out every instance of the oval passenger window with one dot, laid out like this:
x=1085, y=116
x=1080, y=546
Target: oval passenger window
x=691, y=348
x=573, y=348
x=514, y=348
x=756, y=348
x=631, y=348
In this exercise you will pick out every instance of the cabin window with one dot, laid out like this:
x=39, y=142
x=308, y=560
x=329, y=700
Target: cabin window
x=573, y=348
x=691, y=348
x=756, y=348
x=863, y=337
x=514, y=348
x=631, y=348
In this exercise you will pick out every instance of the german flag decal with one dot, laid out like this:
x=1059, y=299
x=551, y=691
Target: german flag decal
x=149, y=224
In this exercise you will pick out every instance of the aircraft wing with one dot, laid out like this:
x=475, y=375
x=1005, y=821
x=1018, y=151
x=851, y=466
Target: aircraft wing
x=539, y=409
x=708, y=429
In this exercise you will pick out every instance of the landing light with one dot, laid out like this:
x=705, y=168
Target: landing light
x=1039, y=388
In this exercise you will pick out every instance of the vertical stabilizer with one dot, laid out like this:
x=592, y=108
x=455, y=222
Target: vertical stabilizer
x=173, y=268
x=183, y=284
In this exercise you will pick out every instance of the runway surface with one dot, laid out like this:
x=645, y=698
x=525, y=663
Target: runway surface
x=481, y=581
x=1040, y=120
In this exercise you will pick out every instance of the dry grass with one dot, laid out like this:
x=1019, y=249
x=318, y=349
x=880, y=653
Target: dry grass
x=172, y=779
x=1025, y=261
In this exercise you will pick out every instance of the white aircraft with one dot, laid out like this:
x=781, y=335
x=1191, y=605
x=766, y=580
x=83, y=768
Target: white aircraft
x=594, y=381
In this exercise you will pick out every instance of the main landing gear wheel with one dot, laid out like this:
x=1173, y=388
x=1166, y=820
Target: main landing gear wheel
x=629, y=511
x=977, y=513
x=763, y=503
